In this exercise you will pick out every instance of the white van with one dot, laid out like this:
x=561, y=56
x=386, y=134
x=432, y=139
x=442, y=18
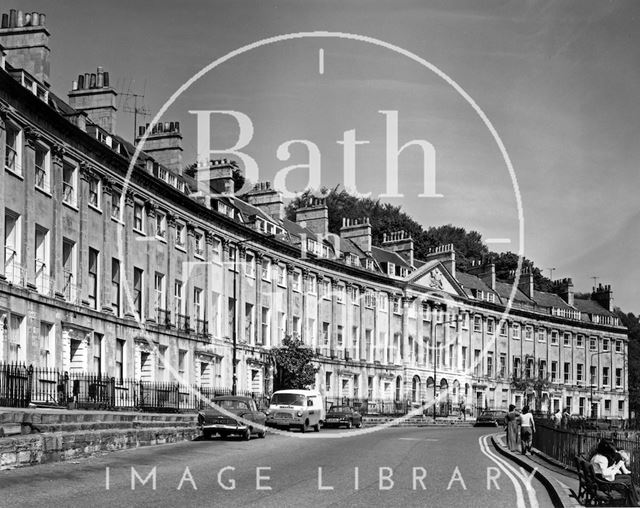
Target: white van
x=303, y=409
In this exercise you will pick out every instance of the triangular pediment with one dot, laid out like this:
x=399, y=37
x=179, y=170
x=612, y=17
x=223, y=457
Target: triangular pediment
x=433, y=275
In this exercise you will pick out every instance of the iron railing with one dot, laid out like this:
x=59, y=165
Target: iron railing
x=182, y=322
x=21, y=385
x=564, y=444
x=201, y=327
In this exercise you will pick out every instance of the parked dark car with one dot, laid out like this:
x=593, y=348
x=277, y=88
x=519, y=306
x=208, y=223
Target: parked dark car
x=339, y=416
x=214, y=421
x=494, y=417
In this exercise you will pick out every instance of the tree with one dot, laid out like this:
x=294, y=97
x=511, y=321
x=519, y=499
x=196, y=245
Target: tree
x=386, y=218
x=632, y=322
x=293, y=364
x=537, y=384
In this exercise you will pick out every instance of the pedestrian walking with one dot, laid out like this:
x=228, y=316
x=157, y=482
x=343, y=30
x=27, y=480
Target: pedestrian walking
x=527, y=429
x=557, y=418
x=511, y=423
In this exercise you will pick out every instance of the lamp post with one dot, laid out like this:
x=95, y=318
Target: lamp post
x=591, y=365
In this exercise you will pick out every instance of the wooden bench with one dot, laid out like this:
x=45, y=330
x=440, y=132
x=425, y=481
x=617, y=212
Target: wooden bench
x=594, y=491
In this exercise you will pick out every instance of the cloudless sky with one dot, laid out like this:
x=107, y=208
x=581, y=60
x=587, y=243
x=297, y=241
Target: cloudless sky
x=559, y=80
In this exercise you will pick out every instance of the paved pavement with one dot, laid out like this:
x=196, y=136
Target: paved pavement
x=430, y=466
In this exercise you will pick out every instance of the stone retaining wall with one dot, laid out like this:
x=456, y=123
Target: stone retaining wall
x=35, y=449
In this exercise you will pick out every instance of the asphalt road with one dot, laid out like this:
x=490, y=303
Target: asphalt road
x=431, y=466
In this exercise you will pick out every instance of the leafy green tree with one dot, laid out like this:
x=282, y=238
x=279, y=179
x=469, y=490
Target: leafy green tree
x=293, y=365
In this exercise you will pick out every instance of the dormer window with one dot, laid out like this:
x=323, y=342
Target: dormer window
x=391, y=269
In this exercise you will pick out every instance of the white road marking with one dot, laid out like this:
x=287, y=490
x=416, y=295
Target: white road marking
x=520, y=474
x=484, y=449
x=417, y=439
x=321, y=60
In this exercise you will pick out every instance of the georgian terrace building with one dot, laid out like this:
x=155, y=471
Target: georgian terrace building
x=94, y=265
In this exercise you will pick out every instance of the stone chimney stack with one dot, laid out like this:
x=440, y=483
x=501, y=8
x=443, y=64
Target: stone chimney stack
x=314, y=216
x=92, y=94
x=564, y=289
x=164, y=144
x=526, y=282
x=26, y=43
x=267, y=199
x=604, y=296
x=401, y=243
x=446, y=254
x=486, y=272
x=220, y=174
x=358, y=231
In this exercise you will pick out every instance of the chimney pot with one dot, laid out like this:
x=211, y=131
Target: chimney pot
x=27, y=19
x=43, y=18
x=5, y=20
x=13, y=18
x=20, y=19
x=35, y=19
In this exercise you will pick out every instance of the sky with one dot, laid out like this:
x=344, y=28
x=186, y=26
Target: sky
x=558, y=80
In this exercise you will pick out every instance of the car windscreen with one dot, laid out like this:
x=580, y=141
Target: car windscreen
x=339, y=409
x=231, y=404
x=288, y=399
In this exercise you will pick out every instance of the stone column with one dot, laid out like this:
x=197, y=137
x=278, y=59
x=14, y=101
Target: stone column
x=57, y=158
x=305, y=313
x=126, y=266
x=191, y=234
x=31, y=138
x=362, y=336
x=240, y=256
x=289, y=289
x=404, y=343
x=150, y=208
x=335, y=317
x=107, y=245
